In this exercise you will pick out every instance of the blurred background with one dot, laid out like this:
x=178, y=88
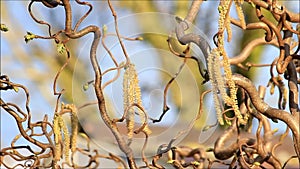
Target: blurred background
x=34, y=65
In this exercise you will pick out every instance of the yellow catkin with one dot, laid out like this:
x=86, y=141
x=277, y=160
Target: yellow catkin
x=74, y=128
x=232, y=89
x=228, y=30
x=132, y=95
x=224, y=8
x=240, y=12
x=215, y=76
x=138, y=100
x=74, y=124
x=57, y=138
x=66, y=139
x=128, y=98
x=285, y=96
x=224, y=20
x=219, y=80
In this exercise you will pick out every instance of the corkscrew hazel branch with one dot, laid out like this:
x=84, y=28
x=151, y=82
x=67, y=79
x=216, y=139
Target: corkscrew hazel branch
x=201, y=69
x=85, y=15
x=117, y=30
x=185, y=55
x=98, y=78
x=202, y=43
x=244, y=155
x=273, y=6
x=35, y=19
x=117, y=66
x=265, y=109
x=6, y=84
x=165, y=105
x=199, y=40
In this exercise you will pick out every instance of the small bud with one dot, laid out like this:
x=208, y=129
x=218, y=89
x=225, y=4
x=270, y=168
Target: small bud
x=170, y=161
x=140, y=38
x=206, y=128
x=275, y=130
x=256, y=163
x=16, y=89
x=210, y=149
x=228, y=122
x=83, y=135
x=3, y=28
x=104, y=29
x=85, y=86
x=178, y=19
x=60, y=47
x=29, y=36
x=196, y=163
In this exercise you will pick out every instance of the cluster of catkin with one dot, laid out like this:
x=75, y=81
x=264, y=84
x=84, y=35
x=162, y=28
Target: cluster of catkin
x=214, y=63
x=63, y=140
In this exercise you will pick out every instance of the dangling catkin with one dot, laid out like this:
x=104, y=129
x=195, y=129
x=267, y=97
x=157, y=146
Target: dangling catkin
x=74, y=124
x=66, y=139
x=74, y=128
x=138, y=100
x=132, y=95
x=224, y=19
x=57, y=138
x=128, y=98
x=217, y=82
x=240, y=12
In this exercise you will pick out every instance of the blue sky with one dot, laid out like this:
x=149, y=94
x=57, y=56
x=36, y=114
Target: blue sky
x=11, y=65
